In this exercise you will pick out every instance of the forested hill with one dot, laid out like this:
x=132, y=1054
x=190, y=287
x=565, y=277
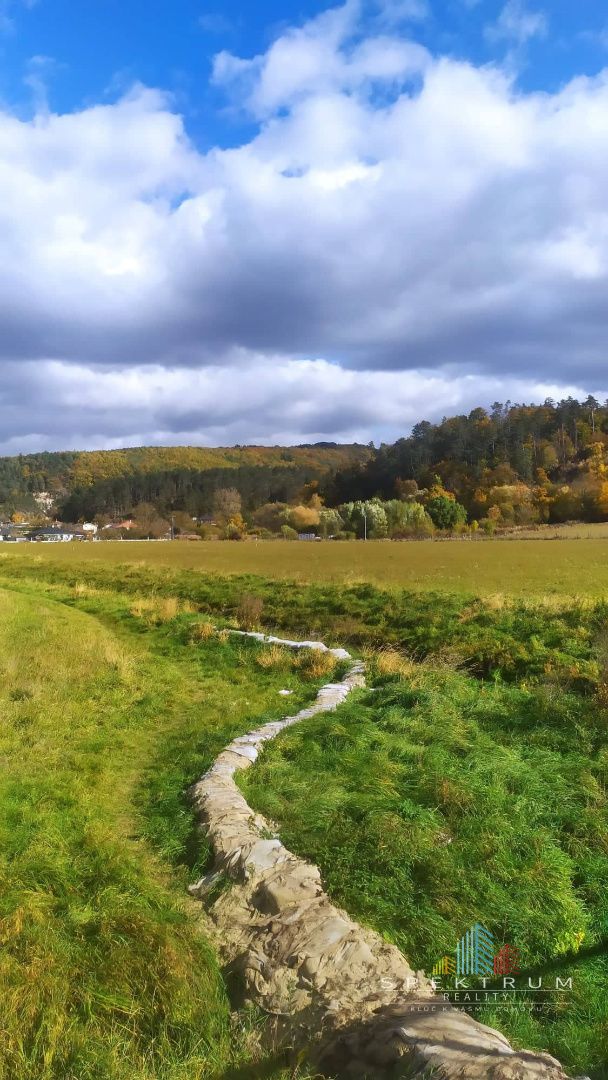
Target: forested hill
x=522, y=463
x=508, y=465
x=92, y=482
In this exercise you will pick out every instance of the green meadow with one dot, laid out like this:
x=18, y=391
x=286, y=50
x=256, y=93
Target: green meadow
x=563, y=560
x=468, y=783
x=108, y=713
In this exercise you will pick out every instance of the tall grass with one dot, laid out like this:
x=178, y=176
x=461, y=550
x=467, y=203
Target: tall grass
x=104, y=972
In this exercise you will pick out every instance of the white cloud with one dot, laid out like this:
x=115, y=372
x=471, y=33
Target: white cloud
x=323, y=56
x=394, y=12
x=304, y=401
x=517, y=24
x=437, y=237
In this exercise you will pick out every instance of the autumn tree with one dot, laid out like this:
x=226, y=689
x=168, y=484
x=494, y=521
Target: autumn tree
x=226, y=504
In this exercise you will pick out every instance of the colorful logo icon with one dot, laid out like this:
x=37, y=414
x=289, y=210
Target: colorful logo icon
x=475, y=952
x=476, y=955
x=506, y=961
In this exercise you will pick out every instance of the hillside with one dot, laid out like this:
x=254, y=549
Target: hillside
x=90, y=482
x=512, y=464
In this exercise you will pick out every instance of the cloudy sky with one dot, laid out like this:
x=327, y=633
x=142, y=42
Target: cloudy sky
x=296, y=222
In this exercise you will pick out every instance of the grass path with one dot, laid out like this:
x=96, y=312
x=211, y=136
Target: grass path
x=104, y=974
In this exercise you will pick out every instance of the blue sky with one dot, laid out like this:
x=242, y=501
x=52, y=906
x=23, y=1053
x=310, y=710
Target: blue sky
x=94, y=49
x=278, y=223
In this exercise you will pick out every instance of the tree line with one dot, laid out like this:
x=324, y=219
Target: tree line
x=510, y=465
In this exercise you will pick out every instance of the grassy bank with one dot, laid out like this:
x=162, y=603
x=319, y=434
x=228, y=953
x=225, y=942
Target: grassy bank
x=437, y=801
x=561, y=639
x=564, y=565
x=107, y=714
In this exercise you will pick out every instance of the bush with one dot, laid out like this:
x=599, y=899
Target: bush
x=446, y=513
x=249, y=611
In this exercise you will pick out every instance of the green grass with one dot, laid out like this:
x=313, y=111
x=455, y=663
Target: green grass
x=440, y=800
x=564, y=566
x=493, y=740
x=105, y=973
x=494, y=636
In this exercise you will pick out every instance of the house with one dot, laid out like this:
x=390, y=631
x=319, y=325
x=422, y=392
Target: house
x=9, y=536
x=52, y=534
x=115, y=526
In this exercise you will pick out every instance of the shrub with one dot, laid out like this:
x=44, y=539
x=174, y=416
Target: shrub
x=446, y=513
x=249, y=612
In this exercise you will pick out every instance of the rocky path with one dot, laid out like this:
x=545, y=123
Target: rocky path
x=333, y=988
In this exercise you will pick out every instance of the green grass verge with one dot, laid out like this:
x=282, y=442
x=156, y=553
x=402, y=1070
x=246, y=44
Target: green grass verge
x=437, y=801
x=106, y=717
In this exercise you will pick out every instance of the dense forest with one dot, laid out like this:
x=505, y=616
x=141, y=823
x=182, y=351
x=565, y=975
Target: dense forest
x=511, y=465
x=87, y=483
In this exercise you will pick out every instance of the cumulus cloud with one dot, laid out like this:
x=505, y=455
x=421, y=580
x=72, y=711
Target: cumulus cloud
x=303, y=400
x=435, y=236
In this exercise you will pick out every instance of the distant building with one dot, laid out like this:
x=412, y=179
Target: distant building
x=114, y=526
x=307, y=536
x=53, y=534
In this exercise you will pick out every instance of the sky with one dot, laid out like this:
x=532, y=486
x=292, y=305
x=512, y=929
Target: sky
x=287, y=222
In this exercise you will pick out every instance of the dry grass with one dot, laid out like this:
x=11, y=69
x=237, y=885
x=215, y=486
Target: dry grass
x=392, y=662
x=202, y=631
x=85, y=592
x=314, y=663
x=249, y=611
x=158, y=610
x=274, y=656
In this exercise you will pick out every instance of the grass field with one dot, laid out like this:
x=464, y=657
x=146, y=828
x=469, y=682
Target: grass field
x=438, y=801
x=564, y=564
x=470, y=785
x=107, y=714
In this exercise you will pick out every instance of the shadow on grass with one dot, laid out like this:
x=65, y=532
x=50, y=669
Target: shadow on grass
x=261, y=1070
